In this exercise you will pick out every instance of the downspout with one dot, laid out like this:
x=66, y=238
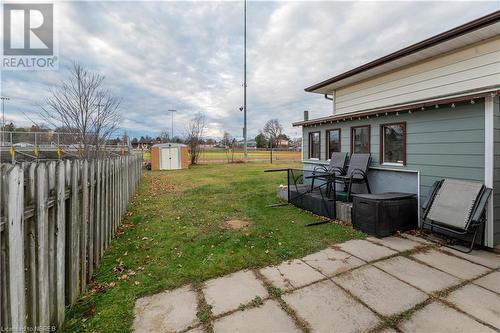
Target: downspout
x=331, y=99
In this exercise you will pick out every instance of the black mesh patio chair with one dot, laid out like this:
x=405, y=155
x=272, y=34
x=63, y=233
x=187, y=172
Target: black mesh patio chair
x=336, y=166
x=456, y=207
x=356, y=173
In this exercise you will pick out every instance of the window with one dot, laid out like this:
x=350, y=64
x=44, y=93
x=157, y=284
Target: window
x=393, y=143
x=360, y=139
x=332, y=142
x=314, y=145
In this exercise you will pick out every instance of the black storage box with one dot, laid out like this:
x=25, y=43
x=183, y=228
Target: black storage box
x=385, y=213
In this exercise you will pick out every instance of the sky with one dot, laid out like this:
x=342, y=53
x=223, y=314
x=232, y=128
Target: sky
x=188, y=56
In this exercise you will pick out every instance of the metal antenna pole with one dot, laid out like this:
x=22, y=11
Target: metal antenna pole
x=245, y=153
x=3, y=118
x=172, y=130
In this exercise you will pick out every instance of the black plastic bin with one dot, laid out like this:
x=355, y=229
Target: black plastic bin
x=385, y=213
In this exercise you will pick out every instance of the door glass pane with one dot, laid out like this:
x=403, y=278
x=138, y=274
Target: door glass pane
x=394, y=150
x=361, y=140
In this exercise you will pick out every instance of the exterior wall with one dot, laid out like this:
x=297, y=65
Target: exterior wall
x=441, y=143
x=155, y=158
x=496, y=170
x=184, y=158
x=472, y=67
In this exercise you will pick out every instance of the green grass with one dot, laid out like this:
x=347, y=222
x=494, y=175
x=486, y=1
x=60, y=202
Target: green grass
x=220, y=154
x=175, y=234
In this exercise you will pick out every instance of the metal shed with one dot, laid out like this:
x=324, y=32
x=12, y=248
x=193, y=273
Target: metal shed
x=169, y=156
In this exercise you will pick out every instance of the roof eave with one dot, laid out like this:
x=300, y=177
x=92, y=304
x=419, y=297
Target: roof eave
x=434, y=40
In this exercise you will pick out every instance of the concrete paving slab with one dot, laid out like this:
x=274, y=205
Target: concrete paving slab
x=267, y=318
x=490, y=281
x=478, y=302
x=417, y=239
x=365, y=250
x=228, y=292
x=380, y=291
x=388, y=330
x=196, y=330
x=169, y=311
x=419, y=275
x=450, y=264
x=437, y=317
x=327, y=308
x=331, y=262
x=396, y=243
x=485, y=258
x=291, y=274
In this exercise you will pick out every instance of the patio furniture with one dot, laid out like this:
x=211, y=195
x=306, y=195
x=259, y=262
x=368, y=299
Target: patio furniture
x=337, y=165
x=383, y=214
x=456, y=208
x=356, y=173
x=314, y=199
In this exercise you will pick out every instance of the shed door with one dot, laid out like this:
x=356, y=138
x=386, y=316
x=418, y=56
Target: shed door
x=170, y=158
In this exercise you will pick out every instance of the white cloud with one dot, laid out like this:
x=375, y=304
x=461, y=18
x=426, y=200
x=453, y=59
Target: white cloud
x=188, y=55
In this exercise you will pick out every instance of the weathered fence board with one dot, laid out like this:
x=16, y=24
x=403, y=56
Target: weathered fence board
x=56, y=221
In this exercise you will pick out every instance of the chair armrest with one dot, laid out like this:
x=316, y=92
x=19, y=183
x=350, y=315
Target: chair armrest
x=339, y=170
x=322, y=167
x=357, y=172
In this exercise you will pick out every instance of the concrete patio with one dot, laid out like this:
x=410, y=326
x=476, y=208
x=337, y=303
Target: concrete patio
x=394, y=284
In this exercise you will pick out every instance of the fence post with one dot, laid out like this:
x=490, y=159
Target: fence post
x=42, y=236
x=73, y=238
x=90, y=251
x=84, y=224
x=60, y=241
x=15, y=247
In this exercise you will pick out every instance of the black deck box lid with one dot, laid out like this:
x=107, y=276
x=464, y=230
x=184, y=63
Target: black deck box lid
x=385, y=196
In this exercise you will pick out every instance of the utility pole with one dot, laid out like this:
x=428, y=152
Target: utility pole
x=245, y=153
x=3, y=118
x=172, y=128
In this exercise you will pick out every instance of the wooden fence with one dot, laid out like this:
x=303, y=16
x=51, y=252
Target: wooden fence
x=56, y=220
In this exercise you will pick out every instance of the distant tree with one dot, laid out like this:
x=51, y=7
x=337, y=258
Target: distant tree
x=194, y=136
x=82, y=105
x=226, y=139
x=261, y=141
x=134, y=140
x=10, y=127
x=273, y=129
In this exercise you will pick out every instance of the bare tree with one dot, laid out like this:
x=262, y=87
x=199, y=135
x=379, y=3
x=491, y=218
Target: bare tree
x=226, y=139
x=273, y=130
x=194, y=136
x=84, y=107
x=164, y=136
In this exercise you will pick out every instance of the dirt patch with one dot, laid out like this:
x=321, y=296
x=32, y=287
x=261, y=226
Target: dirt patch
x=236, y=224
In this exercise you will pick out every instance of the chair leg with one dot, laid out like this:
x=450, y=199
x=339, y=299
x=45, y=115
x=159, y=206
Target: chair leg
x=349, y=188
x=368, y=186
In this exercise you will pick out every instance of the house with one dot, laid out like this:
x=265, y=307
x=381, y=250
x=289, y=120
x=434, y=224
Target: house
x=425, y=112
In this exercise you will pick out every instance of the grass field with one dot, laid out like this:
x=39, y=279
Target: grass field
x=175, y=232
x=219, y=155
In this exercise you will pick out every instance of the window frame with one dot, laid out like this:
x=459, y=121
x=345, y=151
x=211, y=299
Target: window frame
x=382, y=144
x=310, y=145
x=327, y=141
x=353, y=128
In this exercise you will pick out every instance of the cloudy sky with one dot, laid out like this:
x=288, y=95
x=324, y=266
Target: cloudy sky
x=189, y=56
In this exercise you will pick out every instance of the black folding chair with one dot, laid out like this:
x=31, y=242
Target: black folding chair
x=356, y=173
x=456, y=207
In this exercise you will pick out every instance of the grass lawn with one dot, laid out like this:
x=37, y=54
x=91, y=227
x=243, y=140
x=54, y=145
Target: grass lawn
x=220, y=155
x=174, y=234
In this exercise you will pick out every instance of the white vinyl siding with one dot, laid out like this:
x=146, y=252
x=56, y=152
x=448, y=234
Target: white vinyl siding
x=473, y=67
